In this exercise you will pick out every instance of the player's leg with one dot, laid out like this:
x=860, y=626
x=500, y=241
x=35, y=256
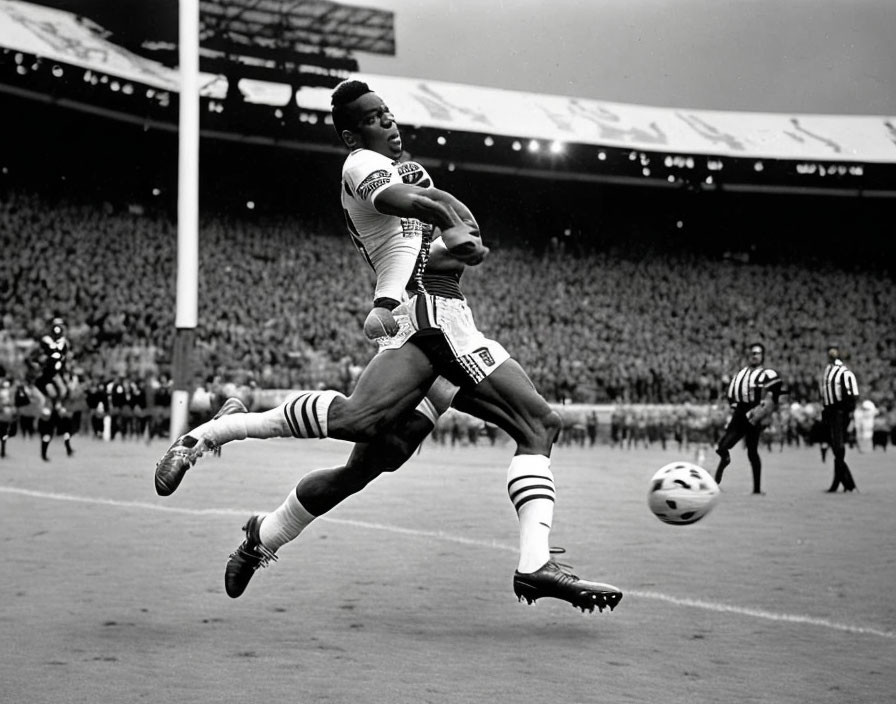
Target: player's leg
x=734, y=431
x=4, y=436
x=321, y=490
x=831, y=436
x=820, y=432
x=64, y=428
x=495, y=389
x=393, y=383
x=508, y=399
x=45, y=429
x=839, y=426
x=751, y=438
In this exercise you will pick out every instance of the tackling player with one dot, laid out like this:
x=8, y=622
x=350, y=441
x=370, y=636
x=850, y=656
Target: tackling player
x=425, y=333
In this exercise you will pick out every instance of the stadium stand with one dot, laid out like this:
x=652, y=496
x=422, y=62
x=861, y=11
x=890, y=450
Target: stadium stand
x=608, y=325
x=625, y=271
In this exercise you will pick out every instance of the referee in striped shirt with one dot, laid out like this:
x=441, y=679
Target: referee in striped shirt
x=753, y=394
x=839, y=390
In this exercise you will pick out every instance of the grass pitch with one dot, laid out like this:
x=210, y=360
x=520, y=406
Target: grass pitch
x=403, y=594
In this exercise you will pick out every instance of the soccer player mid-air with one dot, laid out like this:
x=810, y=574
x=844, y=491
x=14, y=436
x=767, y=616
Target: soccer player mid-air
x=418, y=239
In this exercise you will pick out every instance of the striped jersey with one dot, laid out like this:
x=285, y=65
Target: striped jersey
x=750, y=385
x=838, y=384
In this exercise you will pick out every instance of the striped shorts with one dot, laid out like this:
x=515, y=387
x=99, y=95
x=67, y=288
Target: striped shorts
x=445, y=330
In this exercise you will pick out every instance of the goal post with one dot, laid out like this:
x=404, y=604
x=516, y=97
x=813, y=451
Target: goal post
x=187, y=290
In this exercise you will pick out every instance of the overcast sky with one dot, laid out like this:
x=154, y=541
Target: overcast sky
x=795, y=56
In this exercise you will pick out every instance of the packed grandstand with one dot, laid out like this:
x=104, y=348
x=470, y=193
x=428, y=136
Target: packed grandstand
x=633, y=279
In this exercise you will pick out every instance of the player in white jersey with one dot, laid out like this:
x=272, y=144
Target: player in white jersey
x=427, y=335
x=753, y=394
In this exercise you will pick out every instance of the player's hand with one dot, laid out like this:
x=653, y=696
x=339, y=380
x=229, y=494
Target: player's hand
x=380, y=323
x=464, y=243
x=470, y=254
x=758, y=414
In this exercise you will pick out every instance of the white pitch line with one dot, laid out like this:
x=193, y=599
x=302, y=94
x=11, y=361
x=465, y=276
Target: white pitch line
x=439, y=535
x=768, y=615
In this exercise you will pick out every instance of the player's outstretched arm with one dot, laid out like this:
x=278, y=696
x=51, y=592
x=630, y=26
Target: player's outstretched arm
x=462, y=241
x=447, y=199
x=459, y=229
x=430, y=205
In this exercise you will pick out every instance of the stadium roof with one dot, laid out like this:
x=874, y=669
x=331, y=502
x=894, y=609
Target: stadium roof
x=63, y=37
x=300, y=24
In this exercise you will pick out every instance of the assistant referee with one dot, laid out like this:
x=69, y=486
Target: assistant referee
x=839, y=390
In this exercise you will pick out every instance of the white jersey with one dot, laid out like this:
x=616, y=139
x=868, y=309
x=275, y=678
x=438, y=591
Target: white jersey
x=396, y=248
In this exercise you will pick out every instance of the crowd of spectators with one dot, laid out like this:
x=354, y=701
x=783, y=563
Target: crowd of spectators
x=282, y=300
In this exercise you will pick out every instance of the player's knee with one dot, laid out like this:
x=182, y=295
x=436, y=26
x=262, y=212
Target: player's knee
x=397, y=444
x=369, y=460
x=394, y=452
x=540, y=432
x=357, y=475
x=552, y=422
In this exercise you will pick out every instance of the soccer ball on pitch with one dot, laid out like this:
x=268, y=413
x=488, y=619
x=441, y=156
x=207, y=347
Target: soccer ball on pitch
x=682, y=493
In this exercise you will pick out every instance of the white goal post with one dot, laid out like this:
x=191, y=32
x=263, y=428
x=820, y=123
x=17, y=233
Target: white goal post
x=187, y=216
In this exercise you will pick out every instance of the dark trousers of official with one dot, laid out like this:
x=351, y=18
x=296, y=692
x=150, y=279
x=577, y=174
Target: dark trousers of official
x=739, y=427
x=837, y=421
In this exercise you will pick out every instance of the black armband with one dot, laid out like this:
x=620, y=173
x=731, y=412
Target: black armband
x=387, y=303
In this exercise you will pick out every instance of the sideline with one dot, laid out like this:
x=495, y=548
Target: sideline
x=439, y=535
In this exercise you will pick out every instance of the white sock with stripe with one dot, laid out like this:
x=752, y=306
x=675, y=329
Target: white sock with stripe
x=304, y=416
x=530, y=486
x=285, y=523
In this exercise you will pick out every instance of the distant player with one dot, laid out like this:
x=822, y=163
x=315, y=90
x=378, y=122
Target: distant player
x=53, y=382
x=839, y=391
x=7, y=409
x=54, y=359
x=753, y=394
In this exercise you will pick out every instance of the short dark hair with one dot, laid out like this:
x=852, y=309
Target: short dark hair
x=343, y=94
x=756, y=344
